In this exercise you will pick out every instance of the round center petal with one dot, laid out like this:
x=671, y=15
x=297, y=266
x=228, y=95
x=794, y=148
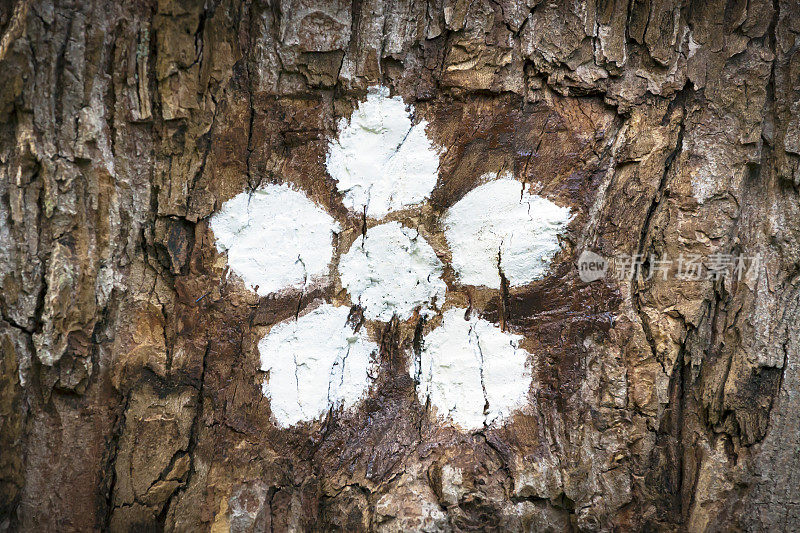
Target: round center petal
x=392, y=271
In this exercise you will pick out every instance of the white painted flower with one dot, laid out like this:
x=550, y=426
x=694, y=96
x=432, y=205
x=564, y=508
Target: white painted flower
x=315, y=363
x=275, y=238
x=498, y=227
x=393, y=271
x=381, y=161
x=474, y=374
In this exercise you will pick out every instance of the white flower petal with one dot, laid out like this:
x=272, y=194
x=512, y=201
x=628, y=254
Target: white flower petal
x=315, y=362
x=380, y=161
x=498, y=225
x=472, y=372
x=276, y=238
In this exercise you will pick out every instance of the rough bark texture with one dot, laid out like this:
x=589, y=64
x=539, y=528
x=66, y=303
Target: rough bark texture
x=130, y=391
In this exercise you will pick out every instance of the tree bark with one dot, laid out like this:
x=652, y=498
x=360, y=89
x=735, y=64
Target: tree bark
x=131, y=386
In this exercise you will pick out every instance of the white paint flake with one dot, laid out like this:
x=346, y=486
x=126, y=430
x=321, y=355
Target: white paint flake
x=276, y=238
x=381, y=161
x=472, y=372
x=499, y=225
x=392, y=272
x=315, y=362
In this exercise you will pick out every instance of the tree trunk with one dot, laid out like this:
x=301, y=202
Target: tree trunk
x=137, y=391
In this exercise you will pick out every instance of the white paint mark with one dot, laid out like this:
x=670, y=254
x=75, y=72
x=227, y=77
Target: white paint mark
x=472, y=372
x=499, y=226
x=315, y=362
x=276, y=238
x=381, y=161
x=392, y=272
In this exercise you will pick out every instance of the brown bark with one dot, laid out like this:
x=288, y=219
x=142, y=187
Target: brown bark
x=130, y=391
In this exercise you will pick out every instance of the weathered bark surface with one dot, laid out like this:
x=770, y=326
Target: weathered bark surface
x=130, y=391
